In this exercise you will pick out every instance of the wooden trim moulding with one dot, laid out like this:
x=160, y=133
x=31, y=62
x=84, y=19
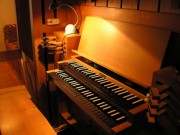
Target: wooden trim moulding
x=10, y=55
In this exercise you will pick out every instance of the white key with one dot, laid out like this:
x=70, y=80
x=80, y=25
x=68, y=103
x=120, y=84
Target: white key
x=85, y=91
x=81, y=89
x=119, y=88
x=120, y=118
x=106, y=107
x=114, y=114
x=137, y=101
x=93, y=98
x=119, y=91
x=111, y=111
x=122, y=92
x=128, y=95
x=131, y=98
x=96, y=100
x=100, y=103
x=103, y=105
x=89, y=95
x=111, y=86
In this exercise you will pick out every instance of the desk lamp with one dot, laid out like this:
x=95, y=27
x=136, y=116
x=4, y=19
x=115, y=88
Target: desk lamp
x=70, y=28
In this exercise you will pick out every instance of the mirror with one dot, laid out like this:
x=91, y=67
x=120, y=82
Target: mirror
x=8, y=26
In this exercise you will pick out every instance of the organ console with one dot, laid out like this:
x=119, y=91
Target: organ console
x=111, y=74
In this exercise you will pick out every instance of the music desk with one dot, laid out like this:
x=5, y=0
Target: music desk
x=18, y=114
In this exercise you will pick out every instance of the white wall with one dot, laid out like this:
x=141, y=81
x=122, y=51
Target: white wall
x=7, y=16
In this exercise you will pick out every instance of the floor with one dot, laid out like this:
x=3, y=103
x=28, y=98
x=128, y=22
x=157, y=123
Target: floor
x=7, y=76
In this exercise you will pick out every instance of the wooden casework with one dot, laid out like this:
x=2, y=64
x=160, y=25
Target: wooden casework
x=30, y=40
x=90, y=3
x=130, y=4
x=149, y=5
x=101, y=3
x=70, y=42
x=170, y=6
x=130, y=46
x=167, y=83
x=114, y=3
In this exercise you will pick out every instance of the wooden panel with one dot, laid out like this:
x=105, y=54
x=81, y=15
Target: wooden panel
x=10, y=55
x=90, y=2
x=101, y=3
x=167, y=6
x=132, y=51
x=149, y=5
x=29, y=77
x=7, y=76
x=114, y=3
x=71, y=43
x=152, y=19
x=130, y=4
x=72, y=2
x=175, y=4
x=48, y=13
x=82, y=2
x=24, y=27
x=169, y=77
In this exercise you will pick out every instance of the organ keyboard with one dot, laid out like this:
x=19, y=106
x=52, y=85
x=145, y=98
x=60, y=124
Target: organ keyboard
x=110, y=103
x=112, y=72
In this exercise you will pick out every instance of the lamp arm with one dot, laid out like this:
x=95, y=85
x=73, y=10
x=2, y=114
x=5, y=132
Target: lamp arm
x=72, y=9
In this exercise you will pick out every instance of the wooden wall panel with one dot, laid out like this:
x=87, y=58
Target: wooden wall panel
x=114, y=3
x=24, y=27
x=73, y=2
x=149, y=5
x=81, y=2
x=175, y=4
x=101, y=3
x=130, y=4
x=168, y=6
x=30, y=77
x=152, y=19
x=10, y=55
x=48, y=13
x=90, y=3
x=7, y=77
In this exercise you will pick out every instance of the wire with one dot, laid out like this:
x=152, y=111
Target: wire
x=58, y=6
x=80, y=18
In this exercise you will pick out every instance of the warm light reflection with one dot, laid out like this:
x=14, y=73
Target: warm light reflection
x=131, y=50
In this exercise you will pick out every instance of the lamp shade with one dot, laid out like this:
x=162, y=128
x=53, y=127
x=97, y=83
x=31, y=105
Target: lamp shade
x=70, y=29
